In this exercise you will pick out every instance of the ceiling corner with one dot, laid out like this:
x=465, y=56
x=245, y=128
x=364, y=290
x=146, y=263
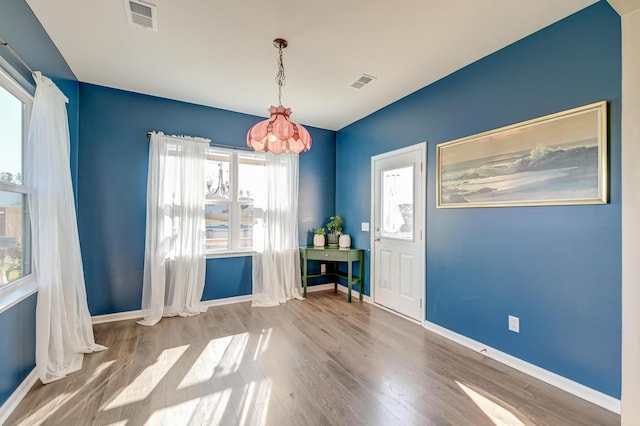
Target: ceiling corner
x=624, y=7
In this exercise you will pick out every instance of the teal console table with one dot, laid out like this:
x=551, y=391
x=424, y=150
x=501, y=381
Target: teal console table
x=330, y=254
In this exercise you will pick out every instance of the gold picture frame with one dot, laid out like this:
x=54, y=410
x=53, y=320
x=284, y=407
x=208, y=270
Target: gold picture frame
x=558, y=159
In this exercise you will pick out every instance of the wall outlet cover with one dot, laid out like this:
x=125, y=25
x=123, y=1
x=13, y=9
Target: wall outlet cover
x=514, y=324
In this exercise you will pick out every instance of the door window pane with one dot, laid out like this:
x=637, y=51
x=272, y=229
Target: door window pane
x=14, y=261
x=397, y=203
x=10, y=137
x=217, y=226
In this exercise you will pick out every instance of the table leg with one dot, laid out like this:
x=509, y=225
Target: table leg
x=361, y=269
x=304, y=272
x=349, y=280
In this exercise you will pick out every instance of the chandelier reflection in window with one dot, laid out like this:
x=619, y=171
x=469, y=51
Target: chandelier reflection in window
x=217, y=180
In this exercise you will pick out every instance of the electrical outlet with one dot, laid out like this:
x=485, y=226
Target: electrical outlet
x=514, y=324
x=323, y=268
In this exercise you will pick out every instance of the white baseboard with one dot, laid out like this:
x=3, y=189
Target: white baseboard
x=319, y=287
x=344, y=289
x=21, y=391
x=567, y=385
x=227, y=301
x=132, y=315
x=398, y=314
x=119, y=316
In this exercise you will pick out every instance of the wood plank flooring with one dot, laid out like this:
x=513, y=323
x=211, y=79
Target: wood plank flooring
x=319, y=361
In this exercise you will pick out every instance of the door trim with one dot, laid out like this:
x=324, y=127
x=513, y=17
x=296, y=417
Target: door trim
x=422, y=146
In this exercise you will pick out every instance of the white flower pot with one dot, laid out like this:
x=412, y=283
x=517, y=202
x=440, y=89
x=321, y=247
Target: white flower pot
x=318, y=240
x=345, y=241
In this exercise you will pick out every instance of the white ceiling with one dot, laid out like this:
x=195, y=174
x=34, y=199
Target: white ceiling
x=220, y=53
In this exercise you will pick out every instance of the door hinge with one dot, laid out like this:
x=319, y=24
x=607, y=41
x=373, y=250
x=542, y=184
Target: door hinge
x=420, y=303
x=421, y=166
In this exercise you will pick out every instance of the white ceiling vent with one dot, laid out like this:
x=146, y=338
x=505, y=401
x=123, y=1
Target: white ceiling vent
x=363, y=81
x=141, y=13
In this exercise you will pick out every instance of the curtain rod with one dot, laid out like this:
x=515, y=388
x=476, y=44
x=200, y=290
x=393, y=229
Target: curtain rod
x=220, y=145
x=13, y=52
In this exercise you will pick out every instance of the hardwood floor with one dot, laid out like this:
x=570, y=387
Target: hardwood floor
x=318, y=361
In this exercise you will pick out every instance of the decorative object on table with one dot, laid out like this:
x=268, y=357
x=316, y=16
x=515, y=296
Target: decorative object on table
x=334, y=226
x=318, y=237
x=558, y=159
x=278, y=133
x=344, y=241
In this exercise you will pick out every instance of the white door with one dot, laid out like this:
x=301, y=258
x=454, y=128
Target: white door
x=398, y=212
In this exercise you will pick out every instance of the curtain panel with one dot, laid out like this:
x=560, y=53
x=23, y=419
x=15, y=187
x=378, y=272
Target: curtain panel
x=174, y=259
x=63, y=323
x=276, y=266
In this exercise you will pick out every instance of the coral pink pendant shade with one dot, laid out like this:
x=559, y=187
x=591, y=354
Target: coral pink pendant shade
x=278, y=133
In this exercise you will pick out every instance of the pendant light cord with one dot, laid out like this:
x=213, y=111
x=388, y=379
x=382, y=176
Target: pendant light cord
x=281, y=80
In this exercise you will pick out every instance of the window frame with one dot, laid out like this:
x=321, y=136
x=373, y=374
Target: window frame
x=233, y=249
x=14, y=292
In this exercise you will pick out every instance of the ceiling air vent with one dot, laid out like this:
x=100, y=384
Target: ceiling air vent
x=141, y=13
x=363, y=81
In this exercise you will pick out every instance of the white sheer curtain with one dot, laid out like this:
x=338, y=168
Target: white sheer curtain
x=276, y=268
x=63, y=323
x=174, y=257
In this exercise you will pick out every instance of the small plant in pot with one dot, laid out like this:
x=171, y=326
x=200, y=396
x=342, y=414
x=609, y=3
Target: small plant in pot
x=334, y=226
x=318, y=237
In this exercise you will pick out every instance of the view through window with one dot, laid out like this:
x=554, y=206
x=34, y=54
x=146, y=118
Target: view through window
x=15, y=255
x=234, y=206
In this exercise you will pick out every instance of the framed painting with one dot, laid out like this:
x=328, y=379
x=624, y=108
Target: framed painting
x=558, y=159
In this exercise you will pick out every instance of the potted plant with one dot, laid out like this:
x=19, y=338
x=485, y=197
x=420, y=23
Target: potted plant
x=334, y=226
x=318, y=237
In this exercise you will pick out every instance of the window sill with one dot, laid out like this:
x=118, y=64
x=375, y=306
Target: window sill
x=222, y=255
x=15, y=293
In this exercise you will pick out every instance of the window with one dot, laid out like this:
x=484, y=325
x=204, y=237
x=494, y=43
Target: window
x=234, y=206
x=15, y=239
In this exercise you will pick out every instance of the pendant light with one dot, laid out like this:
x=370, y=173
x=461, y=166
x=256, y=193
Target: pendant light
x=278, y=133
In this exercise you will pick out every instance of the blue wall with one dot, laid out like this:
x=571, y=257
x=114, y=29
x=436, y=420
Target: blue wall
x=557, y=268
x=19, y=26
x=113, y=162
x=18, y=348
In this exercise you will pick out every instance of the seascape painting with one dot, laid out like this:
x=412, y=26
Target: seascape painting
x=553, y=160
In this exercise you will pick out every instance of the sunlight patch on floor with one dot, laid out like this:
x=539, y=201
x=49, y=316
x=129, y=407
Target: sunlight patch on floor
x=254, y=393
x=141, y=387
x=226, y=406
x=220, y=357
x=48, y=409
x=177, y=414
x=266, y=388
x=232, y=356
x=247, y=403
x=499, y=415
x=204, y=367
x=263, y=343
x=220, y=403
